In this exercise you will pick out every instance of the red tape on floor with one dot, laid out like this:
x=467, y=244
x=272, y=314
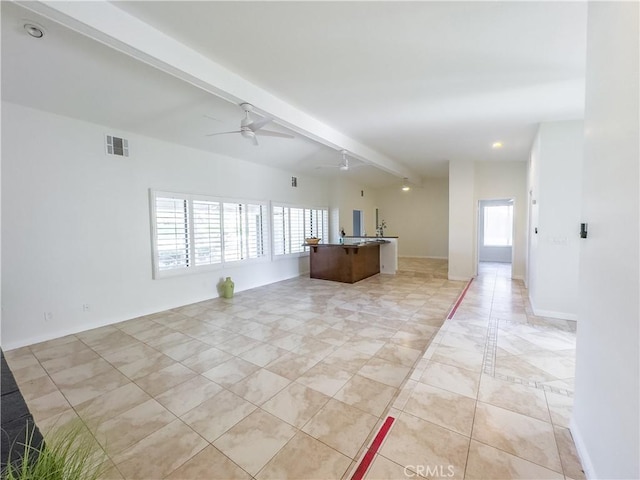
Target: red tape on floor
x=373, y=449
x=460, y=298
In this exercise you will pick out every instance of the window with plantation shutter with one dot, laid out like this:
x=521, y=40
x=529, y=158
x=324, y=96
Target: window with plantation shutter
x=207, y=232
x=172, y=233
x=193, y=232
x=291, y=225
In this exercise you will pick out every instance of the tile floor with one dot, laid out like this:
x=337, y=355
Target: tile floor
x=293, y=380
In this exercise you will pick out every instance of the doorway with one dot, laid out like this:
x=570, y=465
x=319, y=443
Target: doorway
x=495, y=235
x=358, y=223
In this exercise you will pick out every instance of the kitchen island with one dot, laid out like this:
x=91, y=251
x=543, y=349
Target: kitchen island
x=347, y=263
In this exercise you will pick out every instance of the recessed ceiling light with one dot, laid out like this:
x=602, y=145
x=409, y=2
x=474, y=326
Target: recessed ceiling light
x=34, y=30
x=496, y=145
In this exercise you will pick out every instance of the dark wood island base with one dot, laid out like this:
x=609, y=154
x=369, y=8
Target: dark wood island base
x=345, y=263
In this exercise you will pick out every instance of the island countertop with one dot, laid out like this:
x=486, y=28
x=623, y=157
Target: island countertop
x=343, y=262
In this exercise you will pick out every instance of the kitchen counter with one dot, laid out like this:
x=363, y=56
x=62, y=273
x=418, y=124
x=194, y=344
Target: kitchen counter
x=347, y=263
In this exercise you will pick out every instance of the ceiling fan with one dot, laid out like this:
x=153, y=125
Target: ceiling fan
x=250, y=129
x=344, y=163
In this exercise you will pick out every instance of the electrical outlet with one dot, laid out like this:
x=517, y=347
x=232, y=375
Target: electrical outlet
x=48, y=316
x=85, y=307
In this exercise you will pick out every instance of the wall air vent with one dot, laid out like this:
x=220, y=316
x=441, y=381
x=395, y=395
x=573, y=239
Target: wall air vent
x=294, y=181
x=117, y=146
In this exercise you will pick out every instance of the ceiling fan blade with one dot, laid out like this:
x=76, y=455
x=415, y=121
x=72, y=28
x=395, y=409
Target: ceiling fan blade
x=221, y=133
x=270, y=133
x=258, y=124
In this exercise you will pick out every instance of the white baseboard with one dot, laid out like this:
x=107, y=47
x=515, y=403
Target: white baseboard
x=552, y=314
x=459, y=279
x=581, y=448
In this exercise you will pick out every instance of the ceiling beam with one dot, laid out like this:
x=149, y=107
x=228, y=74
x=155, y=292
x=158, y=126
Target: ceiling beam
x=117, y=29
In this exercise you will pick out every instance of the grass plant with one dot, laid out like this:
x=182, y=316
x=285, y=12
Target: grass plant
x=69, y=453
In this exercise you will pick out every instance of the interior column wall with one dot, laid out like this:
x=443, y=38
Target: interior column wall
x=606, y=419
x=555, y=186
x=462, y=221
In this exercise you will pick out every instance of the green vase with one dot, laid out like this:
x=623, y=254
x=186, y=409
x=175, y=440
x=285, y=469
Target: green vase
x=227, y=288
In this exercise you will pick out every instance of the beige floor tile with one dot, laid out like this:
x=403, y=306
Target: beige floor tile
x=231, y=371
x=263, y=355
x=560, y=407
x=215, y=416
x=238, y=344
x=304, y=457
x=465, y=342
x=366, y=394
x=162, y=380
x=347, y=358
x=48, y=405
x=416, y=443
x=442, y=407
x=79, y=373
x=209, y=464
x=94, y=386
x=49, y=351
x=163, y=452
x=296, y=404
x=523, y=436
x=116, y=340
x=486, y=462
x=384, y=469
x=399, y=354
x=325, y=378
x=129, y=355
x=188, y=395
x=57, y=364
x=206, y=360
x=291, y=365
x=30, y=372
x=516, y=366
x=341, y=426
x=255, y=440
x=126, y=429
x=403, y=396
x=454, y=379
x=185, y=349
x=568, y=454
x=21, y=357
x=512, y=396
x=146, y=366
x=456, y=357
x=111, y=404
x=260, y=386
x=386, y=372
x=38, y=387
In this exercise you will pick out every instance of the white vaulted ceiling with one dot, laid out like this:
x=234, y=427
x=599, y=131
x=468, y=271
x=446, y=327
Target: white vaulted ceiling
x=405, y=86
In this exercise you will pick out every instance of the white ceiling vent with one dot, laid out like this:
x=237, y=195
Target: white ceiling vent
x=117, y=146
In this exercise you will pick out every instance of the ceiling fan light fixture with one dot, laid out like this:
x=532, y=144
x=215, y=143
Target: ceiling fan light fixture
x=405, y=185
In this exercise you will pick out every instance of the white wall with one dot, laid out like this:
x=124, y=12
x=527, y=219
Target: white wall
x=606, y=421
x=556, y=161
x=462, y=221
x=419, y=217
x=344, y=199
x=76, y=223
x=507, y=180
